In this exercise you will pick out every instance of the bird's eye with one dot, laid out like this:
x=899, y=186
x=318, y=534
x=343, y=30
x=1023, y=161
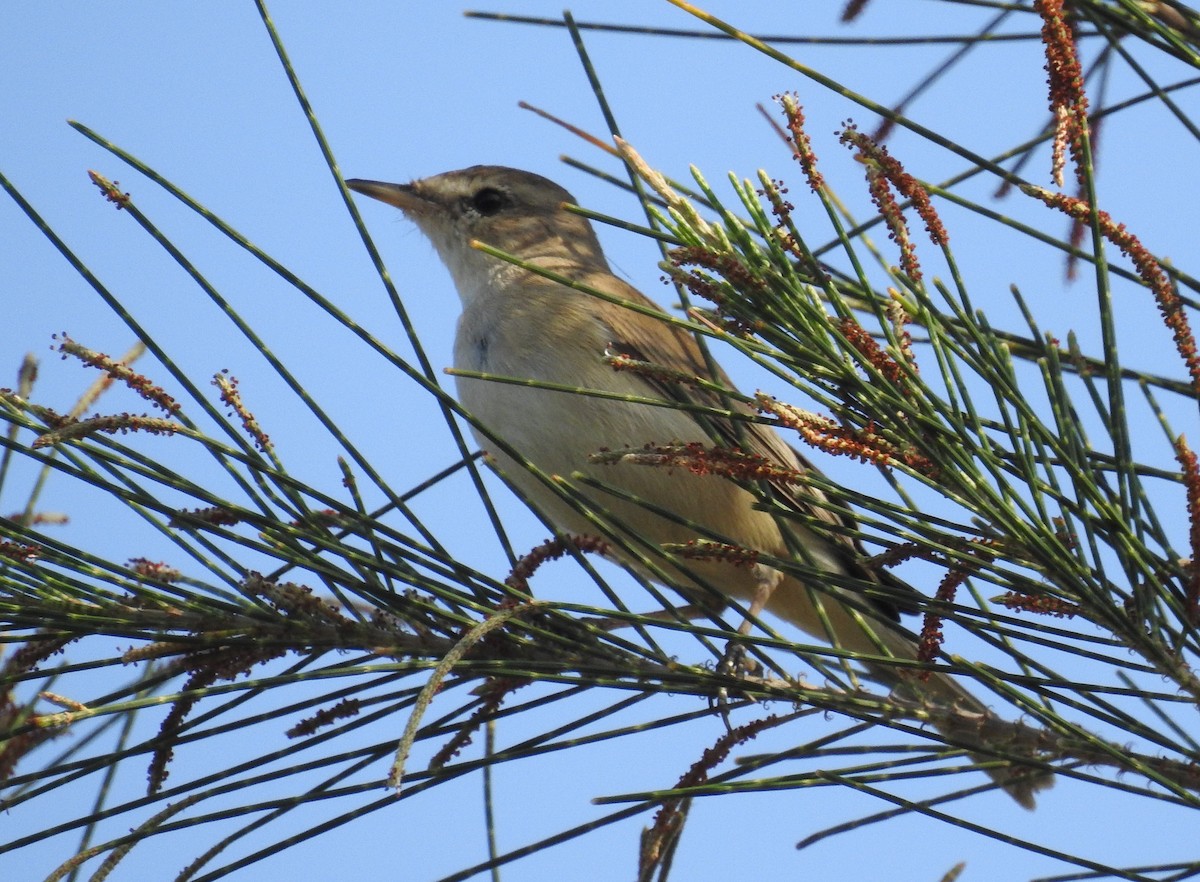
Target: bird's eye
x=489, y=201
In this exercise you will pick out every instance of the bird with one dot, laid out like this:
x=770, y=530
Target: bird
x=533, y=326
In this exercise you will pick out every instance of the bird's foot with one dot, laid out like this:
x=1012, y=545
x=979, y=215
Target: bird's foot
x=734, y=664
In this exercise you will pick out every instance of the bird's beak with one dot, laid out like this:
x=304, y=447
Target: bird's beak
x=403, y=196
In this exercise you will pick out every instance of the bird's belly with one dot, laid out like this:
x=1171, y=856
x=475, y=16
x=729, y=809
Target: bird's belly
x=558, y=431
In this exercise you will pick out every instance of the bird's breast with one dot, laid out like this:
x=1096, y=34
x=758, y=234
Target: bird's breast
x=558, y=431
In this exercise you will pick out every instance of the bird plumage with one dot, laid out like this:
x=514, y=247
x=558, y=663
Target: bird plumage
x=517, y=323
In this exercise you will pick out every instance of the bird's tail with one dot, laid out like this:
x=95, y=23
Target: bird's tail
x=963, y=719
x=957, y=714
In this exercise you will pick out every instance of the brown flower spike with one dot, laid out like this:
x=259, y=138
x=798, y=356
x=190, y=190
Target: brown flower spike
x=1068, y=103
x=884, y=172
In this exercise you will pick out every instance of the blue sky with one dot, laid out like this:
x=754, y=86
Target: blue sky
x=408, y=89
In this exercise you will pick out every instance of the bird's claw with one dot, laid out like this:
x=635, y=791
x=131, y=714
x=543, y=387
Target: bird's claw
x=734, y=664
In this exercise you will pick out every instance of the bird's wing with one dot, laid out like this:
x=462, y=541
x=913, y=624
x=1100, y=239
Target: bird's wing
x=645, y=338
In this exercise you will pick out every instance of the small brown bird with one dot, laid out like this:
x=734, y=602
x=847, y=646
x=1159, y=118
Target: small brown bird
x=516, y=323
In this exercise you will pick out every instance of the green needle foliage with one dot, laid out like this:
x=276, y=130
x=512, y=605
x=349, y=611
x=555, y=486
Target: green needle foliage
x=353, y=657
